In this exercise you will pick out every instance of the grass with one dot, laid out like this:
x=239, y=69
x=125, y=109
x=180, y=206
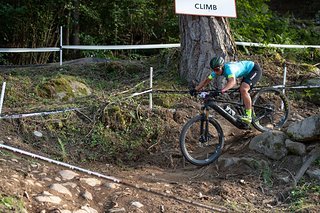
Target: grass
x=6, y=153
x=267, y=175
x=111, y=127
x=11, y=204
x=62, y=148
x=305, y=197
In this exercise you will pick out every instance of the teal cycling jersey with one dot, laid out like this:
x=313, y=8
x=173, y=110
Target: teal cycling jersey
x=235, y=69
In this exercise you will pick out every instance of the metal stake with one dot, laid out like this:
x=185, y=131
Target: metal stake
x=60, y=45
x=2, y=96
x=284, y=77
x=150, y=94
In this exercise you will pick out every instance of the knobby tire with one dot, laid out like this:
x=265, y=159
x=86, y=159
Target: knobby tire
x=194, y=149
x=270, y=109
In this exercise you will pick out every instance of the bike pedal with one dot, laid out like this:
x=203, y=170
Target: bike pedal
x=245, y=125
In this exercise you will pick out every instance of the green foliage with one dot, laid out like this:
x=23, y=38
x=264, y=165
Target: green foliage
x=63, y=149
x=302, y=197
x=267, y=175
x=317, y=162
x=257, y=23
x=3, y=59
x=253, y=16
x=30, y=24
x=109, y=127
x=11, y=204
x=129, y=22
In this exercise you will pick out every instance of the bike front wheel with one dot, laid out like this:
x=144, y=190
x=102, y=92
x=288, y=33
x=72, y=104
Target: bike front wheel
x=201, y=140
x=271, y=110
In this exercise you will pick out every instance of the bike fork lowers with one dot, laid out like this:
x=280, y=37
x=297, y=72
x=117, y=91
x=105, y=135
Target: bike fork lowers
x=204, y=126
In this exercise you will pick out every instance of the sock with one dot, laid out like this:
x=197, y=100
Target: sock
x=249, y=112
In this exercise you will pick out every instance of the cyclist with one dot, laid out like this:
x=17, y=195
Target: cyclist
x=250, y=73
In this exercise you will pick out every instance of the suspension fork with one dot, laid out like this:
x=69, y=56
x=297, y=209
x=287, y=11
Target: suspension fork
x=204, y=125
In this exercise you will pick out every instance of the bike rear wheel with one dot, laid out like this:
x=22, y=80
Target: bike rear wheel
x=271, y=109
x=201, y=148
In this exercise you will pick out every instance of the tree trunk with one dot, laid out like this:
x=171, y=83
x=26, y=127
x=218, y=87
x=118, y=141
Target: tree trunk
x=76, y=26
x=202, y=38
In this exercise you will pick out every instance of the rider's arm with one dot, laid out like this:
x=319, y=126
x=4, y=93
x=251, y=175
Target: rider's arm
x=231, y=83
x=202, y=84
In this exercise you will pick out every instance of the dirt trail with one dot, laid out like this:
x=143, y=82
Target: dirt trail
x=156, y=182
x=183, y=188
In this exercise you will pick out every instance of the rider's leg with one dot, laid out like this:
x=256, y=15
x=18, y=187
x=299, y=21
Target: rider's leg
x=244, y=90
x=247, y=83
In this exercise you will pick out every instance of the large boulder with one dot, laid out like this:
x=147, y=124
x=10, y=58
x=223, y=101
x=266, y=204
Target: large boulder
x=306, y=130
x=295, y=148
x=64, y=88
x=271, y=144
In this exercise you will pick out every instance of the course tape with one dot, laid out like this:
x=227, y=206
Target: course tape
x=58, y=163
x=153, y=91
x=24, y=115
x=146, y=46
x=27, y=50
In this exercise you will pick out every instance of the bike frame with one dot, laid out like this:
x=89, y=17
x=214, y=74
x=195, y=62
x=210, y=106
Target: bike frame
x=233, y=120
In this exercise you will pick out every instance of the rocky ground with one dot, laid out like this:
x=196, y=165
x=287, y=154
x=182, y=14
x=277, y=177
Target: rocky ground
x=101, y=187
x=157, y=181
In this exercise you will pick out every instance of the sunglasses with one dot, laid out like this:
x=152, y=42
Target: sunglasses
x=217, y=69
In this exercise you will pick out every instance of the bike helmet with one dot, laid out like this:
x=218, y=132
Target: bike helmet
x=216, y=62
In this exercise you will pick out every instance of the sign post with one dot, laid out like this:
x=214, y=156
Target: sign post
x=223, y=8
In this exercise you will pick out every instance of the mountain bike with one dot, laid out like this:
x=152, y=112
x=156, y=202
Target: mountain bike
x=202, y=139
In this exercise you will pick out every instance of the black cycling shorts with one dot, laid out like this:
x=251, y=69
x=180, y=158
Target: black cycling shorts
x=254, y=76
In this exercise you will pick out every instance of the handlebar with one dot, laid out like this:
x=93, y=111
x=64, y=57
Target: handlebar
x=209, y=94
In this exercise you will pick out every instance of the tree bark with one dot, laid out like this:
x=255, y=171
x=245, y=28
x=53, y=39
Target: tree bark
x=202, y=38
x=76, y=24
x=76, y=27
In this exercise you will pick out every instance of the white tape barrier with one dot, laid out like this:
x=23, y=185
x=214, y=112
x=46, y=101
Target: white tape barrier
x=25, y=115
x=147, y=46
x=251, y=44
x=140, y=93
x=296, y=87
x=26, y=50
x=59, y=163
x=120, y=47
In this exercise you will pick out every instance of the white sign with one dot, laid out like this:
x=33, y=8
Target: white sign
x=223, y=8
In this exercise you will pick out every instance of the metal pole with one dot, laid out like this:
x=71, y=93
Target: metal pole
x=25, y=115
x=284, y=81
x=2, y=96
x=59, y=163
x=60, y=45
x=150, y=94
x=284, y=77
